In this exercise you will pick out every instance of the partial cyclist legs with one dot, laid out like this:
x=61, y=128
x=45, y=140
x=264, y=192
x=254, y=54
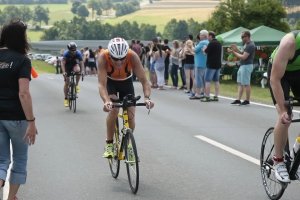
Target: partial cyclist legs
x=280, y=136
x=111, y=121
x=131, y=118
x=67, y=81
x=76, y=68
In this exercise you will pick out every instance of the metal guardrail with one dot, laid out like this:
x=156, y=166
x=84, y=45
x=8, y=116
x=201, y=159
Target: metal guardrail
x=54, y=47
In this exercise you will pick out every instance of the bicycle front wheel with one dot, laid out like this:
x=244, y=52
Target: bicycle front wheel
x=70, y=96
x=273, y=187
x=114, y=162
x=132, y=161
x=74, y=98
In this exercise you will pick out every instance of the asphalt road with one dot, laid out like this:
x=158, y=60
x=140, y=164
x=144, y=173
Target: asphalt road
x=66, y=161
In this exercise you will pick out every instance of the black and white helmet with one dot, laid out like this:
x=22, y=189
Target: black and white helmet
x=118, y=48
x=72, y=45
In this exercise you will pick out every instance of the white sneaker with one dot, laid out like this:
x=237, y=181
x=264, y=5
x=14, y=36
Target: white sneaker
x=281, y=173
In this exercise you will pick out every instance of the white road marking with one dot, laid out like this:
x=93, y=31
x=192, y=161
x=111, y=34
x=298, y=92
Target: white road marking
x=228, y=149
x=254, y=103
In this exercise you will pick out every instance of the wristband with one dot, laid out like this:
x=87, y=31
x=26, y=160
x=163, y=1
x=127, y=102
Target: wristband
x=32, y=120
x=82, y=71
x=147, y=97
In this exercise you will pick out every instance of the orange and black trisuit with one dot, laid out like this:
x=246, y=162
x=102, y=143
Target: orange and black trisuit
x=119, y=79
x=118, y=74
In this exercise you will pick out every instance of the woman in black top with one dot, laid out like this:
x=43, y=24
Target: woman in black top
x=17, y=121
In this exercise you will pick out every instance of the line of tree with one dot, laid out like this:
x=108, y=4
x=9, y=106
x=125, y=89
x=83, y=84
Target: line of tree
x=126, y=8
x=180, y=29
x=80, y=29
x=231, y=14
x=27, y=2
x=37, y=15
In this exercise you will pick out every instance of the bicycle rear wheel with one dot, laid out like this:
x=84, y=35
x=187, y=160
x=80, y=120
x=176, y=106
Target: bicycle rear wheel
x=273, y=187
x=132, y=161
x=114, y=162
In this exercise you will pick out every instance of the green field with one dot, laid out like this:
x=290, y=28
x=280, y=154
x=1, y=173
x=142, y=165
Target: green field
x=159, y=17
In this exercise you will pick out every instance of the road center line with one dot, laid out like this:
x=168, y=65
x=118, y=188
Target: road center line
x=228, y=149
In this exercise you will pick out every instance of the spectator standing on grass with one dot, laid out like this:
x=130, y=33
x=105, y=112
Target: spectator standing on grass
x=58, y=65
x=138, y=50
x=153, y=49
x=181, y=64
x=189, y=66
x=167, y=49
x=175, y=63
x=246, y=57
x=86, y=60
x=159, y=58
x=92, y=63
x=200, y=64
x=213, y=66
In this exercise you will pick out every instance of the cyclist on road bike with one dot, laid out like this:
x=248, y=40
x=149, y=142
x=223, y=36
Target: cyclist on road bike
x=284, y=75
x=71, y=61
x=114, y=76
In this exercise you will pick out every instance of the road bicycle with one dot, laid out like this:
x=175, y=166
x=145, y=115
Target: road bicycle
x=72, y=93
x=124, y=146
x=273, y=187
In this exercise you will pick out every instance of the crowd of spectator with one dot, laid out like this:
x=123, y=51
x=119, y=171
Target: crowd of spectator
x=196, y=64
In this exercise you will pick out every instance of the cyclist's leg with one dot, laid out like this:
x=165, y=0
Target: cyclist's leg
x=76, y=68
x=110, y=120
x=280, y=133
x=67, y=81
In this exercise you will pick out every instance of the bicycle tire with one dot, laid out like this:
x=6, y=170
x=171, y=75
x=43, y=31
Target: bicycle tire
x=114, y=162
x=132, y=163
x=272, y=186
x=70, y=96
x=74, y=98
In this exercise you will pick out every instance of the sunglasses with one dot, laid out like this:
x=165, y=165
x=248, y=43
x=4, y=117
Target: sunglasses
x=17, y=20
x=117, y=59
x=243, y=36
x=72, y=49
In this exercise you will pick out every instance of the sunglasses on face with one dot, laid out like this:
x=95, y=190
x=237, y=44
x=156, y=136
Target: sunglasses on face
x=117, y=59
x=243, y=36
x=17, y=20
x=72, y=49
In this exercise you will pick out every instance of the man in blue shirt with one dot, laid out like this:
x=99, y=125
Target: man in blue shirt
x=200, y=64
x=71, y=61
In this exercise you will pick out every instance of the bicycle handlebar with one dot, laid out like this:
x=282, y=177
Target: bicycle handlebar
x=289, y=105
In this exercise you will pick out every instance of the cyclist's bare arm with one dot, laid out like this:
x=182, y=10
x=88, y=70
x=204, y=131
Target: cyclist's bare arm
x=285, y=52
x=102, y=79
x=140, y=73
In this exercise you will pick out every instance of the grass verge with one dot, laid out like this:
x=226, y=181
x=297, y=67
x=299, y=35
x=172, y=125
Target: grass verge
x=42, y=67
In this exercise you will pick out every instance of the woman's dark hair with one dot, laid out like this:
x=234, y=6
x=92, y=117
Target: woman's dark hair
x=92, y=55
x=13, y=36
x=158, y=46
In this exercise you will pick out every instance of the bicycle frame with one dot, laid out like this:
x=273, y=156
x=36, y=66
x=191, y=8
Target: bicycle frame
x=124, y=117
x=124, y=145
